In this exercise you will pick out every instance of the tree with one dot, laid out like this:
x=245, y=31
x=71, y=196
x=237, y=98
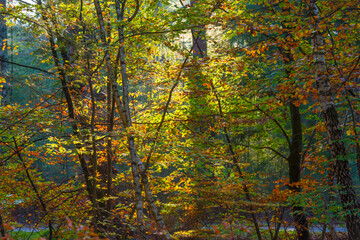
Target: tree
x=347, y=194
x=3, y=74
x=159, y=119
x=5, y=86
x=296, y=146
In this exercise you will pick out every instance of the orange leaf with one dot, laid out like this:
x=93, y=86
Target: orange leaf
x=216, y=230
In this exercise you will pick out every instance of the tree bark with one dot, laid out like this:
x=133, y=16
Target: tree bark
x=342, y=173
x=135, y=159
x=3, y=72
x=138, y=169
x=5, y=90
x=236, y=162
x=83, y=158
x=296, y=144
x=41, y=200
x=2, y=228
x=121, y=110
x=294, y=160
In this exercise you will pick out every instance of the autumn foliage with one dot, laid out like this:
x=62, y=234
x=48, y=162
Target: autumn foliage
x=132, y=119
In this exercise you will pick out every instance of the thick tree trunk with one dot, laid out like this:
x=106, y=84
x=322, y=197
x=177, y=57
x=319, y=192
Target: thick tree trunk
x=343, y=177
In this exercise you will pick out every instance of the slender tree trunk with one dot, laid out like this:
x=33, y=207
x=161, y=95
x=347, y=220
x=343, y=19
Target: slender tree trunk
x=355, y=121
x=349, y=201
x=5, y=90
x=294, y=160
x=235, y=161
x=330, y=225
x=2, y=228
x=120, y=7
x=296, y=144
x=138, y=168
x=3, y=71
x=41, y=200
x=83, y=158
x=199, y=39
x=121, y=110
x=278, y=224
x=197, y=79
x=198, y=94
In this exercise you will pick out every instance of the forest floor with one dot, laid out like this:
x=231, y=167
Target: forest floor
x=203, y=234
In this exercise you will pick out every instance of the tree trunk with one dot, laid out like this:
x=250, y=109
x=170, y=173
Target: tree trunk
x=5, y=90
x=199, y=39
x=296, y=144
x=235, y=161
x=138, y=168
x=135, y=159
x=121, y=110
x=355, y=122
x=294, y=160
x=342, y=173
x=84, y=158
x=2, y=228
